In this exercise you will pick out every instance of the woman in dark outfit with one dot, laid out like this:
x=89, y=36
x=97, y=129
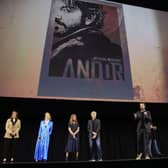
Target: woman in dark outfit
x=73, y=137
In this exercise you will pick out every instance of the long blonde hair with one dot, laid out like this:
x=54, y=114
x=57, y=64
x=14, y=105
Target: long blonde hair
x=47, y=113
x=71, y=119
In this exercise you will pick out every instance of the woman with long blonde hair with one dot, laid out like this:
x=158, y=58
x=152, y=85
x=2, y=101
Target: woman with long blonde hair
x=43, y=139
x=72, y=145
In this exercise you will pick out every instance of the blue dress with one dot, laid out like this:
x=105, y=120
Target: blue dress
x=42, y=144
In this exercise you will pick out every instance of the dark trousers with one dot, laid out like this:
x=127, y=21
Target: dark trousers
x=143, y=138
x=9, y=148
x=97, y=143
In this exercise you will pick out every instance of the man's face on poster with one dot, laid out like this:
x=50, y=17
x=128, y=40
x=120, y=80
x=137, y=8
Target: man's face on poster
x=66, y=17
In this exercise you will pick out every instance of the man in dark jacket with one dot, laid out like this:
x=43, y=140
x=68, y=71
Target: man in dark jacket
x=143, y=131
x=94, y=126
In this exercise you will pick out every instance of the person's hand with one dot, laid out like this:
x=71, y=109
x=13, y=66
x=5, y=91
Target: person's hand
x=73, y=135
x=94, y=135
x=154, y=127
x=12, y=133
x=145, y=113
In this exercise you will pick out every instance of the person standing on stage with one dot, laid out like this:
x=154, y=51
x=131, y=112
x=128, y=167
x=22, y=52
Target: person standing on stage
x=43, y=139
x=12, y=127
x=143, y=131
x=94, y=127
x=153, y=142
x=73, y=137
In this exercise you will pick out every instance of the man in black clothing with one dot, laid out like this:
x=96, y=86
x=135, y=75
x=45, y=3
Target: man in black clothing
x=94, y=126
x=143, y=131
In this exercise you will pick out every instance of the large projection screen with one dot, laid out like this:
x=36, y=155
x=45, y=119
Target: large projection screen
x=83, y=50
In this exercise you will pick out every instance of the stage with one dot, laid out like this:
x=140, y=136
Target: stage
x=124, y=163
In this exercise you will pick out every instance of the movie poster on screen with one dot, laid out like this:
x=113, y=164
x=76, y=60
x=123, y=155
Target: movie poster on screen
x=86, y=53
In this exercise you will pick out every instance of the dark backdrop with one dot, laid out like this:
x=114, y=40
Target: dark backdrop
x=159, y=5
x=118, y=126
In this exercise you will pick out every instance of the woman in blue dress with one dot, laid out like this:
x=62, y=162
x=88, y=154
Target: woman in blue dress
x=42, y=144
x=73, y=137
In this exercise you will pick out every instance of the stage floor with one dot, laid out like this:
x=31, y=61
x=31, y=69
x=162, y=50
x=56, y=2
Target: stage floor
x=123, y=163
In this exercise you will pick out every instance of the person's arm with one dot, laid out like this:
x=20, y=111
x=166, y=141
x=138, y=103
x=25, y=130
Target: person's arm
x=7, y=128
x=147, y=116
x=70, y=131
x=51, y=127
x=18, y=126
x=97, y=129
x=40, y=129
x=77, y=131
x=98, y=126
x=89, y=127
x=137, y=115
